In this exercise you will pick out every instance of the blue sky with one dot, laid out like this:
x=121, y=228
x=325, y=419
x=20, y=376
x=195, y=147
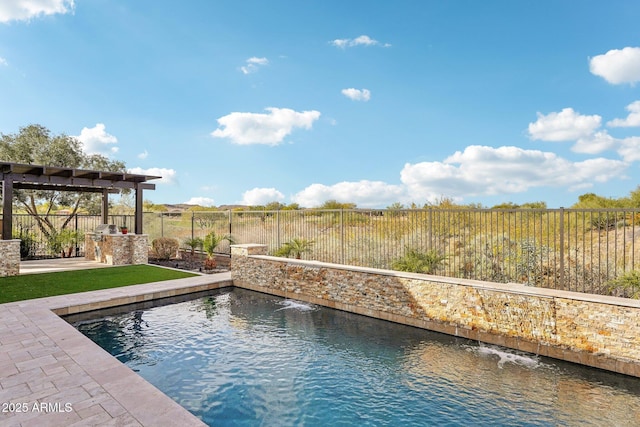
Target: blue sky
x=358, y=101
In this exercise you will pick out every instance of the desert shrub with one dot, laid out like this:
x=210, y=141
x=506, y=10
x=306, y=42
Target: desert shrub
x=604, y=220
x=164, y=247
x=416, y=261
x=529, y=262
x=626, y=285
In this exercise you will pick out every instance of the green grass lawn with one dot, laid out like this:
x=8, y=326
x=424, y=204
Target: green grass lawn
x=29, y=286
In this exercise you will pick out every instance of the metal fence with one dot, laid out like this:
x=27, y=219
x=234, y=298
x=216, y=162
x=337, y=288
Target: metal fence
x=25, y=227
x=571, y=249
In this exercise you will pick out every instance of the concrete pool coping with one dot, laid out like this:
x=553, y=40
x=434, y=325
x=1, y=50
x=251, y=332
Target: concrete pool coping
x=52, y=375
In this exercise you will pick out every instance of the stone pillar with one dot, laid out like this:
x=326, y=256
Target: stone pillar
x=9, y=257
x=241, y=264
x=248, y=249
x=139, y=248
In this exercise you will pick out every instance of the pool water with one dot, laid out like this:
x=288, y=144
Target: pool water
x=242, y=358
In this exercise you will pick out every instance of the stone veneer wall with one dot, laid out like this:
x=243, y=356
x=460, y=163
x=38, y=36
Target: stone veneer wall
x=593, y=330
x=118, y=249
x=9, y=257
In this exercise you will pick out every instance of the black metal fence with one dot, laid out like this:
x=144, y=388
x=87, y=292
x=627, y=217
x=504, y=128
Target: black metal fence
x=36, y=243
x=571, y=249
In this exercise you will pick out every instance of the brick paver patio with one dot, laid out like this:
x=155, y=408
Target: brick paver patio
x=52, y=375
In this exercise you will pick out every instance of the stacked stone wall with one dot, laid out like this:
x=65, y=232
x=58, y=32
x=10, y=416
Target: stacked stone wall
x=118, y=249
x=9, y=257
x=589, y=329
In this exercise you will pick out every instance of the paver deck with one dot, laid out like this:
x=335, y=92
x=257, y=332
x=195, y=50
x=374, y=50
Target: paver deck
x=52, y=375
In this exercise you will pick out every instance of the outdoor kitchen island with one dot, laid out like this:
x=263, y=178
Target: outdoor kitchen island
x=108, y=246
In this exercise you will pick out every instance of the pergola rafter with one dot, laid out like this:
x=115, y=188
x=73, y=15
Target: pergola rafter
x=51, y=178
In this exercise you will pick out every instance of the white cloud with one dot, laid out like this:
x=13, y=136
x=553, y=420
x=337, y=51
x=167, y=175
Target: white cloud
x=596, y=143
x=481, y=170
x=261, y=196
x=617, y=66
x=630, y=149
x=566, y=125
x=168, y=175
x=96, y=140
x=633, y=119
x=143, y=155
x=259, y=128
x=200, y=201
x=364, y=193
x=627, y=148
x=362, y=40
x=23, y=10
x=253, y=64
x=3, y=62
x=357, y=94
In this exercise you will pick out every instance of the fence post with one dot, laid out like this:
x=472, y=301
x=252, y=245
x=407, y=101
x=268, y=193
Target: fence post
x=562, y=284
x=278, y=229
x=430, y=227
x=76, y=234
x=342, y=236
x=229, y=216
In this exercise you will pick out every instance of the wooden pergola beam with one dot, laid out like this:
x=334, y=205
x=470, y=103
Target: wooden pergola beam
x=51, y=178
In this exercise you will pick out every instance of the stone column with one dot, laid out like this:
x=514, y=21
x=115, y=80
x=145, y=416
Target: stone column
x=241, y=264
x=9, y=257
x=248, y=249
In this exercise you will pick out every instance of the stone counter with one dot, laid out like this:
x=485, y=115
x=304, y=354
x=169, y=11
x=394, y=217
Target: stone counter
x=117, y=249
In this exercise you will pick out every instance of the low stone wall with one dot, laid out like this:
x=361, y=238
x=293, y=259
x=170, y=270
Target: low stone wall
x=117, y=249
x=9, y=257
x=593, y=330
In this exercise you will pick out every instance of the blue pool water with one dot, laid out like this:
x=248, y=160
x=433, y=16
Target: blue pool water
x=241, y=358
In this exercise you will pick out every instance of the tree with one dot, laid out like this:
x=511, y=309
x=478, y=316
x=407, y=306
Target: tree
x=334, y=204
x=34, y=144
x=210, y=243
x=295, y=247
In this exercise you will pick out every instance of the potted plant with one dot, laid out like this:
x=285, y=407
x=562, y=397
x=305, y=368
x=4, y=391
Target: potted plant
x=124, y=229
x=209, y=245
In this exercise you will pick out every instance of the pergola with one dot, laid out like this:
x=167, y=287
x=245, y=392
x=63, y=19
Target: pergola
x=51, y=178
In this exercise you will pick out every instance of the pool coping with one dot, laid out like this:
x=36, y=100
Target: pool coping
x=52, y=375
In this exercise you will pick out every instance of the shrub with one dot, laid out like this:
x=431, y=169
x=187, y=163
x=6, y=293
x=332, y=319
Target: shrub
x=193, y=244
x=295, y=247
x=27, y=243
x=164, y=247
x=209, y=244
x=627, y=285
x=416, y=261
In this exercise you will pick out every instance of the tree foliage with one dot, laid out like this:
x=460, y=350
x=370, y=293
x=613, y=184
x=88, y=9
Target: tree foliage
x=334, y=204
x=34, y=144
x=593, y=201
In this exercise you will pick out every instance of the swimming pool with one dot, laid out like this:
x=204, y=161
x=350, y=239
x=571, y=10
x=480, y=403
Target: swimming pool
x=237, y=357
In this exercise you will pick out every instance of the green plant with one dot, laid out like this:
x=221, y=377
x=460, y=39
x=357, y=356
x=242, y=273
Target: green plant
x=295, y=247
x=193, y=244
x=626, y=285
x=209, y=245
x=27, y=242
x=164, y=247
x=63, y=241
x=416, y=261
